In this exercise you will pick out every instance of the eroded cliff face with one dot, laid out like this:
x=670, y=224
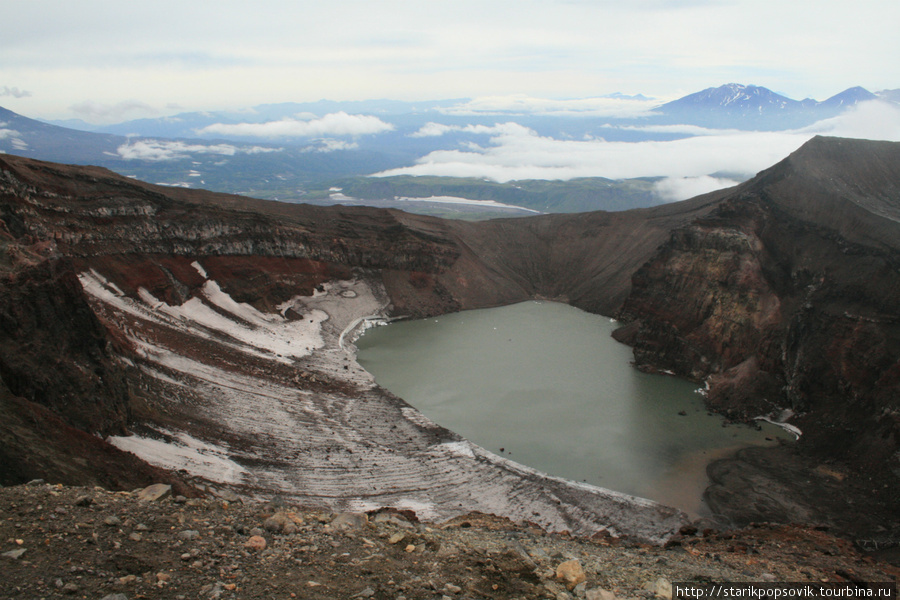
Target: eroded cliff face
x=785, y=297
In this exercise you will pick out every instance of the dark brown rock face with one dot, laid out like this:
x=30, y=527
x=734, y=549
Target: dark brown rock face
x=54, y=351
x=785, y=296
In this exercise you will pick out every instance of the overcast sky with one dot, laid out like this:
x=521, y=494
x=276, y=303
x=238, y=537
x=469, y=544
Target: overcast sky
x=117, y=60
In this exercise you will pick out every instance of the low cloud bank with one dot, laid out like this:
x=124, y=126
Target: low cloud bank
x=517, y=152
x=160, y=150
x=672, y=189
x=14, y=137
x=334, y=124
x=329, y=145
x=874, y=120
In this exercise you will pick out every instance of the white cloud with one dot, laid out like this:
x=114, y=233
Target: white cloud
x=520, y=104
x=15, y=92
x=519, y=153
x=433, y=130
x=329, y=145
x=99, y=112
x=516, y=152
x=159, y=150
x=874, y=120
x=439, y=129
x=14, y=137
x=334, y=124
x=671, y=189
x=678, y=129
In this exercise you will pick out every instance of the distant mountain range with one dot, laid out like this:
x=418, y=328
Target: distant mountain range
x=744, y=106
x=297, y=151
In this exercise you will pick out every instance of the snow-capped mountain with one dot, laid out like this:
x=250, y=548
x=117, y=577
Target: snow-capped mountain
x=742, y=106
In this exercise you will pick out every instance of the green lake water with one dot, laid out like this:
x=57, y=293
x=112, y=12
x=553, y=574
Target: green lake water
x=544, y=384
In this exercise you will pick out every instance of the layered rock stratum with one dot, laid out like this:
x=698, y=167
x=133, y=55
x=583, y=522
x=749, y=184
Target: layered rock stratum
x=211, y=335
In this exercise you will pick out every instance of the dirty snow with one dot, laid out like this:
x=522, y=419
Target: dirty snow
x=184, y=452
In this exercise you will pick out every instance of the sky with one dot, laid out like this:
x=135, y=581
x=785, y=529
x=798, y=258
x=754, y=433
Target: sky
x=110, y=61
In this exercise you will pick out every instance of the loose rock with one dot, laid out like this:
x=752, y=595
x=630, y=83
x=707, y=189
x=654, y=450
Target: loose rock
x=570, y=573
x=155, y=492
x=256, y=543
x=348, y=520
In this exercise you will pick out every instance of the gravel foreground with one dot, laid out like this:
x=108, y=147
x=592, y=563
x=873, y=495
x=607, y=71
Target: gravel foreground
x=73, y=542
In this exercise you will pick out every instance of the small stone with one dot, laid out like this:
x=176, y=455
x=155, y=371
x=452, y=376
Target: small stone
x=163, y=577
x=257, y=531
x=453, y=589
x=366, y=593
x=135, y=537
x=179, y=499
x=256, y=543
x=14, y=554
x=662, y=588
x=350, y=520
x=35, y=482
x=127, y=579
x=70, y=588
x=141, y=527
x=112, y=521
x=570, y=573
x=154, y=492
x=396, y=538
x=599, y=594
x=277, y=522
x=393, y=519
x=115, y=597
x=227, y=495
x=83, y=501
x=410, y=548
x=189, y=535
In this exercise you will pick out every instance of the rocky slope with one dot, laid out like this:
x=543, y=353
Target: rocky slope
x=60, y=542
x=218, y=329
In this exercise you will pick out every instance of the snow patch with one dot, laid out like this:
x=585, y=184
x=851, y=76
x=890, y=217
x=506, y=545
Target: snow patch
x=461, y=448
x=792, y=429
x=200, y=269
x=184, y=452
x=235, y=324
